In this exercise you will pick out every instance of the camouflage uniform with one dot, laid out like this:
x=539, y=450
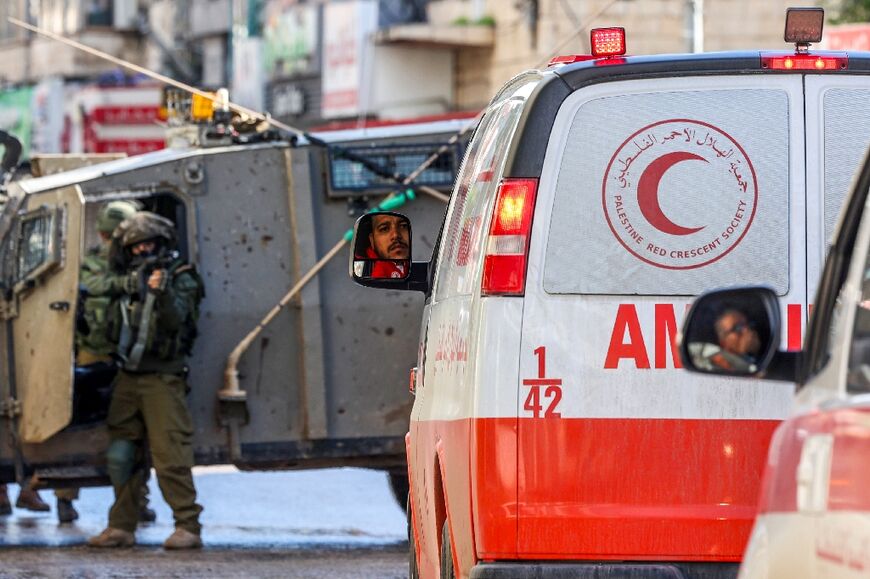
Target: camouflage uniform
x=149, y=400
x=101, y=286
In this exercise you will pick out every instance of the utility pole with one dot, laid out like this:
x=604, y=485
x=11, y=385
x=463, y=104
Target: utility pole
x=695, y=25
x=30, y=8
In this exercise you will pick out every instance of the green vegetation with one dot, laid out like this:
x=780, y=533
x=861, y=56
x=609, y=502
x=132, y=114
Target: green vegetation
x=482, y=21
x=844, y=11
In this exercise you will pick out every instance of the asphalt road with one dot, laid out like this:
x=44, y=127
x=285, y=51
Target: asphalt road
x=333, y=523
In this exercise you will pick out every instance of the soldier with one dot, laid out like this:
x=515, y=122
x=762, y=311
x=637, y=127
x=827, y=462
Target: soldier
x=101, y=287
x=159, y=310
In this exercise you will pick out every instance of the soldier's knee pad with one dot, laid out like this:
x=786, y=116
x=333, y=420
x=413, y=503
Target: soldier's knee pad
x=120, y=461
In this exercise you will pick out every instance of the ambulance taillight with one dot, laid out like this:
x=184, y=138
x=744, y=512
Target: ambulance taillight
x=507, y=248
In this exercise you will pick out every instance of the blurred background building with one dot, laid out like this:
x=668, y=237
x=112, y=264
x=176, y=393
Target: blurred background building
x=317, y=62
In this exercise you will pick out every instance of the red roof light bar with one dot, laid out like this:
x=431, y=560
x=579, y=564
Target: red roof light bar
x=804, y=62
x=569, y=59
x=607, y=41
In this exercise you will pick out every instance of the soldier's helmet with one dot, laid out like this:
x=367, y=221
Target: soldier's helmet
x=113, y=213
x=145, y=226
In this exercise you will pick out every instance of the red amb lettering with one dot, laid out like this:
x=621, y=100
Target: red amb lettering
x=627, y=340
x=666, y=334
x=634, y=347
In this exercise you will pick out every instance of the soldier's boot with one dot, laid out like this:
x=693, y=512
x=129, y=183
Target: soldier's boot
x=29, y=499
x=146, y=514
x=66, y=512
x=112, y=539
x=5, y=505
x=183, y=539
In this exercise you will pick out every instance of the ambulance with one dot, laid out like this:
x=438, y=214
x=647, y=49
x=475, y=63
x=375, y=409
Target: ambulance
x=553, y=432
x=814, y=509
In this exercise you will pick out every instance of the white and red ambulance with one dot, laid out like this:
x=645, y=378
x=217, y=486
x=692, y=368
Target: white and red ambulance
x=814, y=512
x=553, y=433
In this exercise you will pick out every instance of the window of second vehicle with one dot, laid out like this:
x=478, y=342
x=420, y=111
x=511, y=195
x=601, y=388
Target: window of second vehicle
x=858, y=376
x=35, y=243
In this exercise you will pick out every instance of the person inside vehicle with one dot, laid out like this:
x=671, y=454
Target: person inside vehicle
x=159, y=310
x=737, y=346
x=390, y=246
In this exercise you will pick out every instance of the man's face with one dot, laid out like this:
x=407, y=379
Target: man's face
x=736, y=335
x=390, y=237
x=143, y=248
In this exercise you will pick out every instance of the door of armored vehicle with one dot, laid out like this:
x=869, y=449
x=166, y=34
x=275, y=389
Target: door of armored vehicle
x=41, y=236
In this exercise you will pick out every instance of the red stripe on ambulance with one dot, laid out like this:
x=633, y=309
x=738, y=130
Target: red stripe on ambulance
x=681, y=489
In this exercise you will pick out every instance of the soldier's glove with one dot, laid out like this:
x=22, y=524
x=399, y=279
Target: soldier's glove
x=160, y=287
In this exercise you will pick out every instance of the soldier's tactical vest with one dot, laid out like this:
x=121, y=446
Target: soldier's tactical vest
x=162, y=343
x=96, y=334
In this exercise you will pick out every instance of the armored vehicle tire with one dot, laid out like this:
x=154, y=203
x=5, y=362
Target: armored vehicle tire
x=399, y=485
x=447, y=570
x=413, y=572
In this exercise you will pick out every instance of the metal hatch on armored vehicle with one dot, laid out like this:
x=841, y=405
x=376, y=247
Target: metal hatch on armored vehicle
x=253, y=218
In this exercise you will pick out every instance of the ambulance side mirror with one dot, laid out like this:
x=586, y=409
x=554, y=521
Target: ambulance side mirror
x=381, y=247
x=734, y=332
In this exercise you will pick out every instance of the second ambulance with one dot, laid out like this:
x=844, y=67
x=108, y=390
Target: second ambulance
x=553, y=433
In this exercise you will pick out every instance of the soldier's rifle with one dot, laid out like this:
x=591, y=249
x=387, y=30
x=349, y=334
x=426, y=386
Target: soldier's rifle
x=131, y=350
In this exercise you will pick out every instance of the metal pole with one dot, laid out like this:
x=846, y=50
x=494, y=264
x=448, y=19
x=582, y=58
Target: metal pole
x=697, y=29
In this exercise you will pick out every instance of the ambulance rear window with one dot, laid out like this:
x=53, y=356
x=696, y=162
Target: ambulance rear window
x=847, y=135
x=672, y=193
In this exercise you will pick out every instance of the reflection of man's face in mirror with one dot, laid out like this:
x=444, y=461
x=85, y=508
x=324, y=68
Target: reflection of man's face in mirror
x=390, y=237
x=736, y=335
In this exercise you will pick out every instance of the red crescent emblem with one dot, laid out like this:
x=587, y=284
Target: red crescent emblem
x=721, y=192
x=648, y=192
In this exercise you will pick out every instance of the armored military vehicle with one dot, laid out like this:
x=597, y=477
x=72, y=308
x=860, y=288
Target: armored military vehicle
x=323, y=384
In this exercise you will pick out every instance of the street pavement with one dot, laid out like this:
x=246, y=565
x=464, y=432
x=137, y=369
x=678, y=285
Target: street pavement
x=336, y=523
x=315, y=508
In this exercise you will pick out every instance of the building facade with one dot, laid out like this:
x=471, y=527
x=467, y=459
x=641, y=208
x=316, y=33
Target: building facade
x=310, y=62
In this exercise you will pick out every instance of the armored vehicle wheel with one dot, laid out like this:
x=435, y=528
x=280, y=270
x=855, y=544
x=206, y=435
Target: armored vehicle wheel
x=447, y=570
x=399, y=485
x=413, y=572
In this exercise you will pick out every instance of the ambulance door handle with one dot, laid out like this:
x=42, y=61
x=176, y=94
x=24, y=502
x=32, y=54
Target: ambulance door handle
x=59, y=306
